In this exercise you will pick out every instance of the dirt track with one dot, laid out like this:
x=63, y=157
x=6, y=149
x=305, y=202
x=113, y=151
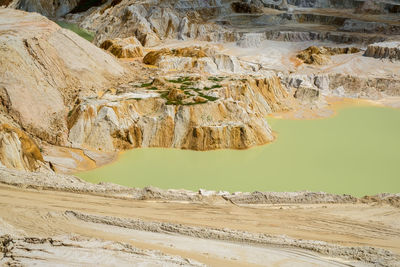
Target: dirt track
x=28, y=212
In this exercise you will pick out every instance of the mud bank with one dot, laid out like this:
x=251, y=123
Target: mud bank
x=68, y=183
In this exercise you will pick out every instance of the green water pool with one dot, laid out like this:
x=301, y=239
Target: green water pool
x=76, y=29
x=356, y=152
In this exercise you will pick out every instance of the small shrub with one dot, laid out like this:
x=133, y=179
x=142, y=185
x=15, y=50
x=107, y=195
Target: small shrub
x=212, y=87
x=182, y=80
x=215, y=79
x=209, y=98
x=146, y=84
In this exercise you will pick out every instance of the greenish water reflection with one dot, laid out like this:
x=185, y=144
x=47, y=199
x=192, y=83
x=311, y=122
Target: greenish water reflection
x=76, y=29
x=356, y=152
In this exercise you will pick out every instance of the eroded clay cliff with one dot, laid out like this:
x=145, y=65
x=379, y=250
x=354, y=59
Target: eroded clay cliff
x=18, y=150
x=203, y=114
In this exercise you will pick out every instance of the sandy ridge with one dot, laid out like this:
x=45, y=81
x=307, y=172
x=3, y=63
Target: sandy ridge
x=20, y=251
x=372, y=255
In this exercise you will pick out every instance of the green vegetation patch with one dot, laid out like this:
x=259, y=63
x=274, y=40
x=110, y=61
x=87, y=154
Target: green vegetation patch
x=174, y=102
x=216, y=79
x=212, y=87
x=195, y=103
x=146, y=84
x=209, y=98
x=190, y=91
x=184, y=80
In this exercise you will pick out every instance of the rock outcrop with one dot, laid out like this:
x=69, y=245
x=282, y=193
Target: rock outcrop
x=243, y=7
x=389, y=50
x=123, y=48
x=321, y=55
x=154, y=57
x=205, y=59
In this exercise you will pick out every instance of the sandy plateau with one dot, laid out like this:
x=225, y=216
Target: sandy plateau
x=186, y=74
